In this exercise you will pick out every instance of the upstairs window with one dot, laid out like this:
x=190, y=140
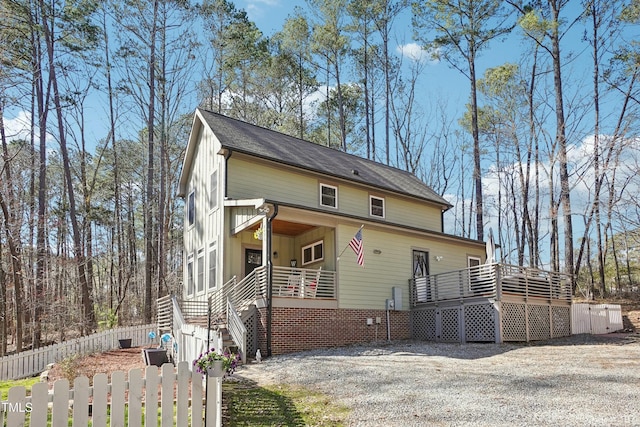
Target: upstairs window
x=191, y=208
x=313, y=252
x=213, y=194
x=376, y=206
x=328, y=196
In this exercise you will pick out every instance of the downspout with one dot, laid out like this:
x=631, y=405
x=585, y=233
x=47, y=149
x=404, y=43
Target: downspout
x=270, y=276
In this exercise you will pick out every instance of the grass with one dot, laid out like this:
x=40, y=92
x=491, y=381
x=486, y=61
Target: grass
x=6, y=385
x=246, y=404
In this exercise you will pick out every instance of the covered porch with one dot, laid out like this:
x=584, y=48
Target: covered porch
x=491, y=303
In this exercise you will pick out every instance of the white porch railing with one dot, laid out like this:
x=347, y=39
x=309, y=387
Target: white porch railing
x=134, y=399
x=490, y=281
x=237, y=330
x=32, y=362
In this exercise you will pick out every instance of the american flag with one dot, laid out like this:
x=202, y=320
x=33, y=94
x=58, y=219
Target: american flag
x=356, y=245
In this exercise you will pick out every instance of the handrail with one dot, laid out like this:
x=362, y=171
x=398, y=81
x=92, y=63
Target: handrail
x=490, y=281
x=237, y=330
x=163, y=313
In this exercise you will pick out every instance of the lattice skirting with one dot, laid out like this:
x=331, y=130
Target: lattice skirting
x=251, y=323
x=474, y=322
x=480, y=323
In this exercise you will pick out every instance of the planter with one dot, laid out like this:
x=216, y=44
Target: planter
x=216, y=369
x=154, y=356
x=125, y=343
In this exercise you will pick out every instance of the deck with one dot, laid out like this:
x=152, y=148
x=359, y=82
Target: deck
x=491, y=303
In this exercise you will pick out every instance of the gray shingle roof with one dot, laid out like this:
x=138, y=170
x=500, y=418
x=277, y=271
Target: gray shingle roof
x=253, y=140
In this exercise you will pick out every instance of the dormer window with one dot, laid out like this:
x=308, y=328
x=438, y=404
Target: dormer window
x=376, y=206
x=328, y=196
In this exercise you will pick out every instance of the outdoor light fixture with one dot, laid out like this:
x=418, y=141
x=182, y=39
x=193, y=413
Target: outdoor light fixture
x=294, y=262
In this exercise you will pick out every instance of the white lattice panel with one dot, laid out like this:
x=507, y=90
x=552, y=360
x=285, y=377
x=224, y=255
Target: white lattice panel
x=561, y=321
x=514, y=327
x=539, y=326
x=479, y=322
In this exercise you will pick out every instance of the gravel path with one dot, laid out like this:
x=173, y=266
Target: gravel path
x=577, y=381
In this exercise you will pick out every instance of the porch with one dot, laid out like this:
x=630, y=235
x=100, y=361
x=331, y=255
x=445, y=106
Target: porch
x=491, y=303
x=231, y=311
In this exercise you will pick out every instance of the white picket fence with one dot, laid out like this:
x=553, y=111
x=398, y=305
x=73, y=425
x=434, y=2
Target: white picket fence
x=595, y=318
x=133, y=401
x=32, y=362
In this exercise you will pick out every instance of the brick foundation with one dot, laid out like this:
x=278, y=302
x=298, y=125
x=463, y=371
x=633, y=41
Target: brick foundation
x=299, y=329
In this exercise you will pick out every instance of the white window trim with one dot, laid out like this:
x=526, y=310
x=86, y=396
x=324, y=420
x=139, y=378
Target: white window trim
x=322, y=185
x=384, y=207
x=312, y=246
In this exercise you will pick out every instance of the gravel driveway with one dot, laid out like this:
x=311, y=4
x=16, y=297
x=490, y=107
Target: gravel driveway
x=578, y=381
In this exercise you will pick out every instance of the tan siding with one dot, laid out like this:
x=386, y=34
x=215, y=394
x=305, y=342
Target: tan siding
x=253, y=179
x=249, y=180
x=371, y=286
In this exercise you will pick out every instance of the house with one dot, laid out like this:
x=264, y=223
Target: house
x=269, y=220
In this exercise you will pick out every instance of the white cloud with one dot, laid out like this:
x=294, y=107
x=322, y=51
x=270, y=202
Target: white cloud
x=415, y=52
x=18, y=127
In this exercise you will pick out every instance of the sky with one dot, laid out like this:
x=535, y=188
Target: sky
x=439, y=80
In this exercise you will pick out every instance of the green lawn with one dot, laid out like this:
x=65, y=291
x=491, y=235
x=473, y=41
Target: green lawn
x=249, y=405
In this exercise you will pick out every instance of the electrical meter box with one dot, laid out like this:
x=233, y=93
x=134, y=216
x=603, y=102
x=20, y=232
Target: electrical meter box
x=391, y=304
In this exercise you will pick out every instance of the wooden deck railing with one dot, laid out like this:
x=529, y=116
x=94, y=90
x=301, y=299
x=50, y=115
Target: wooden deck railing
x=496, y=281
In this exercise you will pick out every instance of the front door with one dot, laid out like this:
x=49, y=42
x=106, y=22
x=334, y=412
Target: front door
x=421, y=275
x=252, y=260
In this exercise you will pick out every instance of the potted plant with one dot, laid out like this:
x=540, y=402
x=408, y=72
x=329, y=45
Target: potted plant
x=154, y=356
x=216, y=364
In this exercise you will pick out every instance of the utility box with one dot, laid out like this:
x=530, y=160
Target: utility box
x=397, y=298
x=391, y=304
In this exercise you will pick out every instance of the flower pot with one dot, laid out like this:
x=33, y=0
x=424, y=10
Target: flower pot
x=216, y=369
x=125, y=343
x=154, y=356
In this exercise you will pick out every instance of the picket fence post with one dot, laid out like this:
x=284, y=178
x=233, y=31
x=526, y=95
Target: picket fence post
x=122, y=394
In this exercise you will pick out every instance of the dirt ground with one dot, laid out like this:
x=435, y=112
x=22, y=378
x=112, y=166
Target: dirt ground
x=110, y=361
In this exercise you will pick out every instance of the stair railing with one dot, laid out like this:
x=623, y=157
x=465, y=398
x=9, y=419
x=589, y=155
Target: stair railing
x=237, y=330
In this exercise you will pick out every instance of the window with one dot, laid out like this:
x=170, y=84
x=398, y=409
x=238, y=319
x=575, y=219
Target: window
x=473, y=261
x=376, y=206
x=190, y=275
x=213, y=194
x=191, y=208
x=313, y=252
x=201, y=270
x=328, y=196
x=213, y=264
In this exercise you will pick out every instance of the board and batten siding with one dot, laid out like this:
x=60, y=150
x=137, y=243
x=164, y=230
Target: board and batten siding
x=371, y=286
x=248, y=179
x=206, y=229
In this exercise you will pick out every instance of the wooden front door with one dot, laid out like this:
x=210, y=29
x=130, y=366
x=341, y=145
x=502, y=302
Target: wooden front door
x=252, y=260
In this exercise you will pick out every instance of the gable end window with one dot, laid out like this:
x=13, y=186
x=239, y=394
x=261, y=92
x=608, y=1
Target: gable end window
x=376, y=206
x=313, y=252
x=328, y=196
x=213, y=194
x=191, y=208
